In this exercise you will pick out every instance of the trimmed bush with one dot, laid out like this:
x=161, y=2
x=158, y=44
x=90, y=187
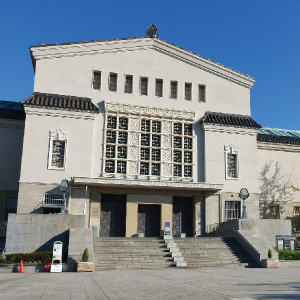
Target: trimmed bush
x=85, y=255
x=288, y=254
x=270, y=253
x=35, y=257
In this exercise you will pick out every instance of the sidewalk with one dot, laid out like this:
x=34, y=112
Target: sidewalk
x=218, y=283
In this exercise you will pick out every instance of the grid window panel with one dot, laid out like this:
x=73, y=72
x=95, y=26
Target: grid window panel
x=274, y=212
x=188, y=129
x=173, y=90
x=128, y=84
x=177, y=156
x=112, y=122
x=188, y=143
x=144, y=86
x=58, y=154
x=121, y=167
x=97, y=80
x=177, y=128
x=123, y=123
x=177, y=142
x=188, y=91
x=144, y=169
x=145, y=139
x=145, y=153
x=110, y=137
x=201, y=93
x=187, y=171
x=110, y=151
x=156, y=126
x=145, y=126
x=231, y=165
x=232, y=210
x=10, y=206
x=159, y=88
x=188, y=157
x=177, y=170
x=122, y=138
x=122, y=152
x=297, y=217
x=113, y=82
x=155, y=141
x=109, y=166
x=155, y=154
x=155, y=169
x=53, y=199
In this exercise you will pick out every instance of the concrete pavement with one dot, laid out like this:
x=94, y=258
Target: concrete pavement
x=206, y=283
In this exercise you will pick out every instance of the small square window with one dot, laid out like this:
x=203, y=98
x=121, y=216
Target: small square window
x=97, y=80
x=156, y=126
x=144, y=86
x=110, y=151
x=173, y=90
x=113, y=82
x=144, y=169
x=128, y=84
x=121, y=167
x=201, y=93
x=145, y=140
x=122, y=138
x=111, y=137
x=145, y=153
x=109, y=166
x=188, y=91
x=155, y=140
x=155, y=169
x=159, y=88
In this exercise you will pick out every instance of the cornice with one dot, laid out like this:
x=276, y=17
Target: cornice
x=148, y=183
x=278, y=147
x=148, y=110
x=229, y=129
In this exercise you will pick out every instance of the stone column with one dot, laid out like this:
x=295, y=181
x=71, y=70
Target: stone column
x=95, y=210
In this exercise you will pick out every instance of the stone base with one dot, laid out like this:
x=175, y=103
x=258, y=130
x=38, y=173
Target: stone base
x=269, y=263
x=85, y=266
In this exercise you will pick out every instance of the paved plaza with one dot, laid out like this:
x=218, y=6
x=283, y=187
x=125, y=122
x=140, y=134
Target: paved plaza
x=218, y=283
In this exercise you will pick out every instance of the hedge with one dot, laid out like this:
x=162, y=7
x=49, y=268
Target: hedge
x=35, y=257
x=288, y=254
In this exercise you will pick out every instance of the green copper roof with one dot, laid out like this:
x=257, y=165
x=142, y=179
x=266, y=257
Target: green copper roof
x=279, y=132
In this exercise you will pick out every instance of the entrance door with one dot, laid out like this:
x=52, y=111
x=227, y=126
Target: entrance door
x=183, y=216
x=149, y=220
x=113, y=215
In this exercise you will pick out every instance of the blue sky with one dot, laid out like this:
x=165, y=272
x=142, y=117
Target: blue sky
x=257, y=37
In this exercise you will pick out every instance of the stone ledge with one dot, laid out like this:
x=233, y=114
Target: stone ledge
x=85, y=266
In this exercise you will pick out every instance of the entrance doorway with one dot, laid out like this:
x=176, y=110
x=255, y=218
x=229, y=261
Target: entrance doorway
x=183, y=216
x=113, y=215
x=149, y=219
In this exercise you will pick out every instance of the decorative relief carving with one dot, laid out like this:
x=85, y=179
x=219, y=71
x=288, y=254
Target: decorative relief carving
x=116, y=107
x=58, y=135
x=167, y=142
x=134, y=124
x=94, y=213
x=133, y=138
x=167, y=170
x=133, y=168
x=231, y=149
x=167, y=128
x=166, y=155
x=133, y=153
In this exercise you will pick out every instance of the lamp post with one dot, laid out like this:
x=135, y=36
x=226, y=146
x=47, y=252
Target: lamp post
x=244, y=194
x=64, y=187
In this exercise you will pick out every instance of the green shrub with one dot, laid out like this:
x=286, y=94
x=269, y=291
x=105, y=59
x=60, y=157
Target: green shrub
x=85, y=255
x=288, y=254
x=270, y=253
x=35, y=257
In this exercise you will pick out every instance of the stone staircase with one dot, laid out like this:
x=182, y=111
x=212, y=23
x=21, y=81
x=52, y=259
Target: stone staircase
x=131, y=253
x=213, y=252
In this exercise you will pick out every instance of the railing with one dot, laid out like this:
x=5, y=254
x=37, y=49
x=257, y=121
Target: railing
x=53, y=200
x=212, y=228
x=3, y=227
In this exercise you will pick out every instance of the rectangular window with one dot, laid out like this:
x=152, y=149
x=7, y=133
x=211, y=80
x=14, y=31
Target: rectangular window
x=58, y=154
x=109, y=166
x=177, y=128
x=123, y=123
x=177, y=156
x=274, y=212
x=121, y=167
x=145, y=126
x=173, y=90
x=111, y=137
x=231, y=165
x=144, y=169
x=188, y=91
x=177, y=170
x=122, y=138
x=177, y=142
x=187, y=171
x=111, y=122
x=128, y=84
x=10, y=206
x=156, y=155
x=201, y=93
x=53, y=200
x=145, y=140
x=188, y=143
x=97, y=80
x=110, y=151
x=188, y=130
x=155, y=169
x=232, y=210
x=113, y=82
x=156, y=140
x=159, y=88
x=145, y=153
x=297, y=218
x=156, y=126
x=144, y=86
x=122, y=152
x=187, y=157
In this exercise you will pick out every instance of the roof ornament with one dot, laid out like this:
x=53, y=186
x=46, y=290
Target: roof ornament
x=152, y=31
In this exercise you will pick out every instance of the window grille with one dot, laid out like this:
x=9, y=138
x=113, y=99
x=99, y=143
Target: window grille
x=111, y=137
x=188, y=91
x=297, y=217
x=122, y=152
x=177, y=156
x=111, y=123
x=145, y=126
x=187, y=171
x=121, y=167
x=177, y=142
x=122, y=138
x=145, y=140
x=177, y=170
x=188, y=157
x=109, y=166
x=231, y=165
x=113, y=82
x=156, y=126
x=110, y=151
x=187, y=143
x=159, y=88
x=156, y=140
x=10, y=206
x=97, y=80
x=201, y=93
x=177, y=128
x=123, y=123
x=144, y=86
x=128, y=84
x=155, y=169
x=144, y=169
x=188, y=129
x=53, y=200
x=156, y=154
x=274, y=212
x=232, y=210
x=173, y=90
x=58, y=154
x=145, y=153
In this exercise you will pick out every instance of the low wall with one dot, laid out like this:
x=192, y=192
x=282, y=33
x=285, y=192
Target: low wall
x=36, y=232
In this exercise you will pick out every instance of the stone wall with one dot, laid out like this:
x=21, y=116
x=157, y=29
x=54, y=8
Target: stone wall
x=36, y=232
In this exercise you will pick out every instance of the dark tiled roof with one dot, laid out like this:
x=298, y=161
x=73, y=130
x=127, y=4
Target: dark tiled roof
x=229, y=120
x=278, y=136
x=60, y=101
x=11, y=110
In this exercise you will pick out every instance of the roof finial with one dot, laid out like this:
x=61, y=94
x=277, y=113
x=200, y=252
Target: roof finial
x=152, y=31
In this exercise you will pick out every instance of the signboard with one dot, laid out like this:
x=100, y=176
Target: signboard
x=167, y=228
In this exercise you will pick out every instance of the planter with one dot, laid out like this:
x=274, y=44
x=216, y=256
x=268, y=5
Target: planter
x=85, y=266
x=269, y=263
